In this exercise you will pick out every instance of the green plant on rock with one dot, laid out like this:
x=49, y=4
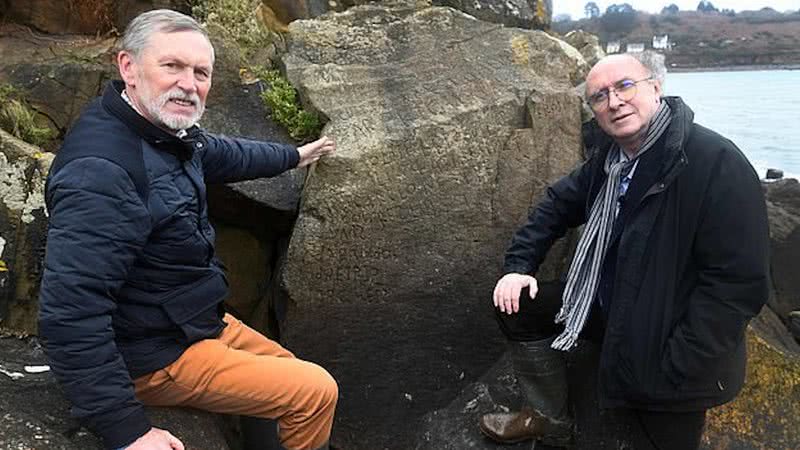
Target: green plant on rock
x=17, y=118
x=281, y=98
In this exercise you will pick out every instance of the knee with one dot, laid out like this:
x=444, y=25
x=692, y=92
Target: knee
x=325, y=389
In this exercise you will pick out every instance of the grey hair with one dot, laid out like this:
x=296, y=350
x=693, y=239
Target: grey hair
x=654, y=62
x=138, y=32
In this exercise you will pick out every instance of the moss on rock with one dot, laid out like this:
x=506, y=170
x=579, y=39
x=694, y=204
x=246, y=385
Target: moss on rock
x=17, y=118
x=766, y=414
x=281, y=98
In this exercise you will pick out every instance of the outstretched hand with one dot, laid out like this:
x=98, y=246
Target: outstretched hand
x=508, y=288
x=313, y=151
x=156, y=439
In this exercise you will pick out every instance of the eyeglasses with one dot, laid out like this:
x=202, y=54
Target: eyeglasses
x=624, y=89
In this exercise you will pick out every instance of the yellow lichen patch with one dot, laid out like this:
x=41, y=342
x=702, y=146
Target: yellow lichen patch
x=520, y=51
x=3, y=267
x=541, y=12
x=766, y=414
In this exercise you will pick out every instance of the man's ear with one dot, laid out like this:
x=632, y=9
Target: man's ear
x=126, y=63
x=659, y=93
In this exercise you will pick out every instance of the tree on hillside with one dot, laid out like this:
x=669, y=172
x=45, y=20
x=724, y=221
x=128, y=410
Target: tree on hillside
x=671, y=9
x=619, y=19
x=706, y=6
x=591, y=10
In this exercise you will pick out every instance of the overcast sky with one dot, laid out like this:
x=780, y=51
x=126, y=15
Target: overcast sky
x=575, y=7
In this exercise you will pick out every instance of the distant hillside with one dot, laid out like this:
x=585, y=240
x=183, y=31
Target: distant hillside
x=705, y=40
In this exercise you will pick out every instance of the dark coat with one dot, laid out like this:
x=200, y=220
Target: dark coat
x=690, y=265
x=130, y=277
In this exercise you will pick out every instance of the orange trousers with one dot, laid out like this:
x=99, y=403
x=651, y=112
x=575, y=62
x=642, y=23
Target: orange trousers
x=243, y=372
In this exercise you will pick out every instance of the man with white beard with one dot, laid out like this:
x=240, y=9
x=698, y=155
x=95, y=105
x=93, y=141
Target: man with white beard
x=131, y=298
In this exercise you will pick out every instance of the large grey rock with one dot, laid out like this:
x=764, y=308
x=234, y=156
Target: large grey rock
x=447, y=129
x=783, y=208
x=586, y=43
x=23, y=223
x=34, y=414
x=532, y=14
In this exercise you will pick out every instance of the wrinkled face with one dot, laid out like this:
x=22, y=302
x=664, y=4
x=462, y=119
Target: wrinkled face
x=170, y=79
x=625, y=121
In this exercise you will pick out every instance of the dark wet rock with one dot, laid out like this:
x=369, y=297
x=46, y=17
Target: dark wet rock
x=773, y=331
x=81, y=17
x=794, y=324
x=783, y=208
x=774, y=174
x=34, y=414
x=57, y=75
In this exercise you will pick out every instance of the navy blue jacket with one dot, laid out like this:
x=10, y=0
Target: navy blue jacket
x=688, y=270
x=130, y=277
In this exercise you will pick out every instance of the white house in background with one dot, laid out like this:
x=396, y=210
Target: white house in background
x=661, y=42
x=612, y=47
x=635, y=48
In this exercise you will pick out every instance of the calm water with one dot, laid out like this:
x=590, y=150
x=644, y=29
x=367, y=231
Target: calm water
x=758, y=110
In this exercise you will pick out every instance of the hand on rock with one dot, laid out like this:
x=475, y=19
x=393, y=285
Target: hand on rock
x=313, y=151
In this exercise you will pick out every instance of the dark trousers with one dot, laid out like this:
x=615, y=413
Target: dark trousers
x=598, y=429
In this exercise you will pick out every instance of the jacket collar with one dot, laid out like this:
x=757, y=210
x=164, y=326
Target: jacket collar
x=157, y=137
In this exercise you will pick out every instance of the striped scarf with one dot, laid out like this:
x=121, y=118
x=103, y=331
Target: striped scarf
x=584, y=272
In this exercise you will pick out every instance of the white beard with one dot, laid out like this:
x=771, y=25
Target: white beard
x=175, y=122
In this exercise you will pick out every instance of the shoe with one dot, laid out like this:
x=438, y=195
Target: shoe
x=527, y=424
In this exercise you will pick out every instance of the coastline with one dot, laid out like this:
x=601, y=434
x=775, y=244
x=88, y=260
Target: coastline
x=735, y=68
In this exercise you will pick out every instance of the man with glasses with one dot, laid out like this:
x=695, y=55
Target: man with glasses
x=670, y=267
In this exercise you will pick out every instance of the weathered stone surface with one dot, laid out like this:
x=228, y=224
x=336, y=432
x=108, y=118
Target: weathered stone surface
x=23, y=222
x=783, y=208
x=772, y=330
x=81, y=16
x=59, y=76
x=532, y=14
x=586, y=43
x=34, y=414
x=401, y=234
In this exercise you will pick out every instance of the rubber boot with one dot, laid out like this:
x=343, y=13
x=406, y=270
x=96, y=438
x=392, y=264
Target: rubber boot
x=542, y=375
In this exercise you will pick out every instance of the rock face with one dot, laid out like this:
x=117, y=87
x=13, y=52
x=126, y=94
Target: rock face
x=59, y=76
x=783, y=207
x=531, y=14
x=586, y=43
x=23, y=224
x=83, y=16
x=35, y=414
x=447, y=128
